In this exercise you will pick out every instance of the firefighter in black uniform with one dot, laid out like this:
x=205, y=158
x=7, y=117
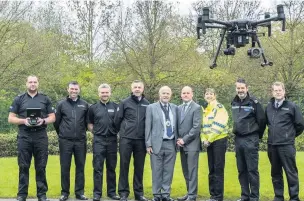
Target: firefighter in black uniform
x=130, y=119
x=71, y=128
x=285, y=123
x=101, y=124
x=32, y=139
x=249, y=125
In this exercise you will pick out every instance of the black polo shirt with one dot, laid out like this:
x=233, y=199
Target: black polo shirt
x=24, y=101
x=102, y=117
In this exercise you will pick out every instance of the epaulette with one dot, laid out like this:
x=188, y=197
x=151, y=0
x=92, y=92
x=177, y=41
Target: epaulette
x=254, y=100
x=90, y=105
x=219, y=105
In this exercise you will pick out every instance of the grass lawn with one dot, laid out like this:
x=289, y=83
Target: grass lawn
x=9, y=178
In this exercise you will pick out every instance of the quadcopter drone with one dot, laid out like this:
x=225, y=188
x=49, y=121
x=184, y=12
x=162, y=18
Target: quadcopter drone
x=239, y=32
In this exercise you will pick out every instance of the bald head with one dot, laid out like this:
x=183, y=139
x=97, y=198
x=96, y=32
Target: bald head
x=187, y=94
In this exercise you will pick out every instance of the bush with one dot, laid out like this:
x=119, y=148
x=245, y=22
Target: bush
x=8, y=143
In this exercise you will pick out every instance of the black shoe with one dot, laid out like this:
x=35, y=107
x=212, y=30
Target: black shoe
x=43, y=199
x=96, y=199
x=123, y=198
x=182, y=198
x=63, y=198
x=114, y=197
x=21, y=198
x=168, y=199
x=156, y=199
x=81, y=197
x=141, y=198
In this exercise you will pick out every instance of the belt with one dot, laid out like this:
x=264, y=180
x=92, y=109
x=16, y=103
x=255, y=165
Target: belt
x=33, y=129
x=165, y=139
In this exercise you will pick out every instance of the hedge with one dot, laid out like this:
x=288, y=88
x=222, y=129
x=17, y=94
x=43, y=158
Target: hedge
x=8, y=143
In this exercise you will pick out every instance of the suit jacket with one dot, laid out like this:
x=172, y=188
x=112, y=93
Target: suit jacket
x=190, y=126
x=155, y=125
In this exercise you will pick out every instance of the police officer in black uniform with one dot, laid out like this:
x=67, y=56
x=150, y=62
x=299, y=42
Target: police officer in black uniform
x=32, y=139
x=285, y=123
x=130, y=119
x=71, y=126
x=249, y=123
x=101, y=124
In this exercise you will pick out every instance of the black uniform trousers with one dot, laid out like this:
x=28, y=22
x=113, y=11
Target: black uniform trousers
x=284, y=156
x=67, y=148
x=247, y=158
x=216, y=163
x=126, y=148
x=104, y=150
x=32, y=143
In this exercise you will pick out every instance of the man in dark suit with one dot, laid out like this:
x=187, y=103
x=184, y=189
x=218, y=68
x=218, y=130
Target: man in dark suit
x=190, y=118
x=161, y=137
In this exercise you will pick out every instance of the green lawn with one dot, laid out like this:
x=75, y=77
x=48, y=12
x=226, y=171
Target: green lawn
x=9, y=178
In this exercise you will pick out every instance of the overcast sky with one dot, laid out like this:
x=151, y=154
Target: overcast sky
x=185, y=5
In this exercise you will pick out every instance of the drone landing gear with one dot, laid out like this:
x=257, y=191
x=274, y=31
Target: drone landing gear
x=265, y=61
x=213, y=64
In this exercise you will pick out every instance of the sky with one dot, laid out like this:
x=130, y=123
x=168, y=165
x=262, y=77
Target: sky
x=185, y=5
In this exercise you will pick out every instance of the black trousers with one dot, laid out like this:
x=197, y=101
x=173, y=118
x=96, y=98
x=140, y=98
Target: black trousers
x=104, y=150
x=247, y=158
x=284, y=156
x=216, y=163
x=32, y=144
x=67, y=148
x=126, y=148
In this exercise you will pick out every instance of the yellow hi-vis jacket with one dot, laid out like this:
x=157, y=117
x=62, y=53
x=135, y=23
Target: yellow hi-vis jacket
x=214, y=122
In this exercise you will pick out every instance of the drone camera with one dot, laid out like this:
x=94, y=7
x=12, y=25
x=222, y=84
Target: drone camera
x=229, y=51
x=255, y=52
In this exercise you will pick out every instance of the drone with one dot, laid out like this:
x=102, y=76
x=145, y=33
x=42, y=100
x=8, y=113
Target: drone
x=239, y=32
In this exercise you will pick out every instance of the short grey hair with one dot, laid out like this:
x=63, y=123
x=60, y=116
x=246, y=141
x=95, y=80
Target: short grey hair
x=104, y=85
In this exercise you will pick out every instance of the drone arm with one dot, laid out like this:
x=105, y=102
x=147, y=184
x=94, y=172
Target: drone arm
x=227, y=24
x=214, y=26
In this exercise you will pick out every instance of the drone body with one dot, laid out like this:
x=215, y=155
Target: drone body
x=238, y=33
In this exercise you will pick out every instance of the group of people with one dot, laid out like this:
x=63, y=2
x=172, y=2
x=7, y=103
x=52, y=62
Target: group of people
x=160, y=129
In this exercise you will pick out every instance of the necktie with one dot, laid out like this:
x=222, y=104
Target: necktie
x=183, y=111
x=277, y=104
x=168, y=122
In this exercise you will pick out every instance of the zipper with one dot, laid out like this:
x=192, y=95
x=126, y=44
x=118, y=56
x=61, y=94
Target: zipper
x=273, y=120
x=138, y=117
x=74, y=109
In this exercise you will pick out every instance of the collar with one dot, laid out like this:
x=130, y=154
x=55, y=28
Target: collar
x=135, y=98
x=73, y=101
x=102, y=103
x=32, y=96
x=188, y=103
x=213, y=103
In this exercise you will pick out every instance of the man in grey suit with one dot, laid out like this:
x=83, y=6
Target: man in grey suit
x=161, y=138
x=189, y=125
